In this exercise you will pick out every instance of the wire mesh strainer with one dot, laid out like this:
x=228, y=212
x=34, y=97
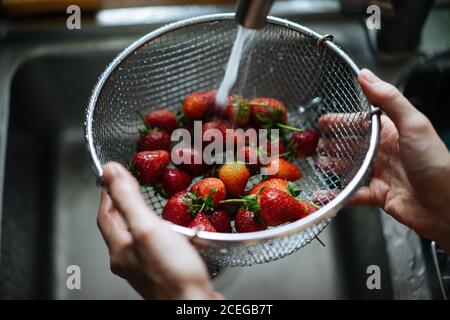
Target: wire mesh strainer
x=310, y=74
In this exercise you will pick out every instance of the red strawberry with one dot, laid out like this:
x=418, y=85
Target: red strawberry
x=148, y=166
x=154, y=140
x=267, y=112
x=235, y=176
x=218, y=124
x=247, y=221
x=196, y=105
x=190, y=160
x=211, y=96
x=202, y=223
x=278, y=184
x=280, y=168
x=304, y=143
x=163, y=119
x=177, y=211
x=277, y=207
x=221, y=221
x=211, y=188
x=175, y=180
x=250, y=155
x=237, y=111
x=309, y=207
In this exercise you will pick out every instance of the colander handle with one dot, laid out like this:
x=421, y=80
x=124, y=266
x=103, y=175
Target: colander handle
x=251, y=14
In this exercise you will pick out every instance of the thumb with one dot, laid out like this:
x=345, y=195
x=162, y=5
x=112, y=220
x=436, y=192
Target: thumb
x=126, y=196
x=389, y=99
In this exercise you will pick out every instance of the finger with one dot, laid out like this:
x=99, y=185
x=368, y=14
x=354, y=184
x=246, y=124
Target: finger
x=361, y=198
x=324, y=196
x=389, y=99
x=127, y=198
x=111, y=225
x=343, y=147
x=344, y=124
x=333, y=165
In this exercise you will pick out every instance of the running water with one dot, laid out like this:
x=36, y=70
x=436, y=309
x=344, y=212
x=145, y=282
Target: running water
x=243, y=37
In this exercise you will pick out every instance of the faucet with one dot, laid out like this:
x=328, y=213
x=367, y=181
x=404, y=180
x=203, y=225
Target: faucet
x=401, y=22
x=251, y=14
x=402, y=32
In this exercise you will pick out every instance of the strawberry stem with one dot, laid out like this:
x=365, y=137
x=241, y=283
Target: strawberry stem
x=284, y=126
x=281, y=155
x=235, y=201
x=313, y=204
x=249, y=104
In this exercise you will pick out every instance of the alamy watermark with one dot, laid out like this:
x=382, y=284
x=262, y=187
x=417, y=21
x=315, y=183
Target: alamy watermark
x=373, y=22
x=73, y=21
x=73, y=281
x=373, y=282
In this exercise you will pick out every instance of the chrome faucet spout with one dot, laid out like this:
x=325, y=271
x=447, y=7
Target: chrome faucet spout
x=251, y=14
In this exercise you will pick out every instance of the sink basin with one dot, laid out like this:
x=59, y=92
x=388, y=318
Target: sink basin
x=50, y=201
x=50, y=204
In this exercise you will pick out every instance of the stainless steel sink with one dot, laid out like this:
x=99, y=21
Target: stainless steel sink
x=48, y=214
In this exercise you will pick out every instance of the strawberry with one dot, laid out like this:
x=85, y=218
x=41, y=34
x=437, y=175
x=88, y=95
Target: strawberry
x=174, y=181
x=190, y=160
x=278, y=184
x=162, y=119
x=196, y=105
x=277, y=207
x=238, y=111
x=267, y=113
x=219, y=124
x=177, y=210
x=304, y=143
x=211, y=96
x=273, y=206
x=202, y=223
x=309, y=206
x=211, y=188
x=148, y=166
x=247, y=221
x=280, y=168
x=235, y=176
x=153, y=140
x=250, y=155
x=221, y=221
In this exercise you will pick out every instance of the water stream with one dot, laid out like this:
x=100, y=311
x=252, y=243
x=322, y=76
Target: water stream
x=244, y=37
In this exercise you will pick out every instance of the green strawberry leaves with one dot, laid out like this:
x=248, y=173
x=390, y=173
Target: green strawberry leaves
x=181, y=119
x=159, y=190
x=198, y=204
x=293, y=190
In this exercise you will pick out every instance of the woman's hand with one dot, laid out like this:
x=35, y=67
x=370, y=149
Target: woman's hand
x=411, y=173
x=157, y=262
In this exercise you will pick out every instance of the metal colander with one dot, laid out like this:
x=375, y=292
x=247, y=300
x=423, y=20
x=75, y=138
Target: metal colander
x=310, y=74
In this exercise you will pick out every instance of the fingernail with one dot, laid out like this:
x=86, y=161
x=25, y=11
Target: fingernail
x=369, y=76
